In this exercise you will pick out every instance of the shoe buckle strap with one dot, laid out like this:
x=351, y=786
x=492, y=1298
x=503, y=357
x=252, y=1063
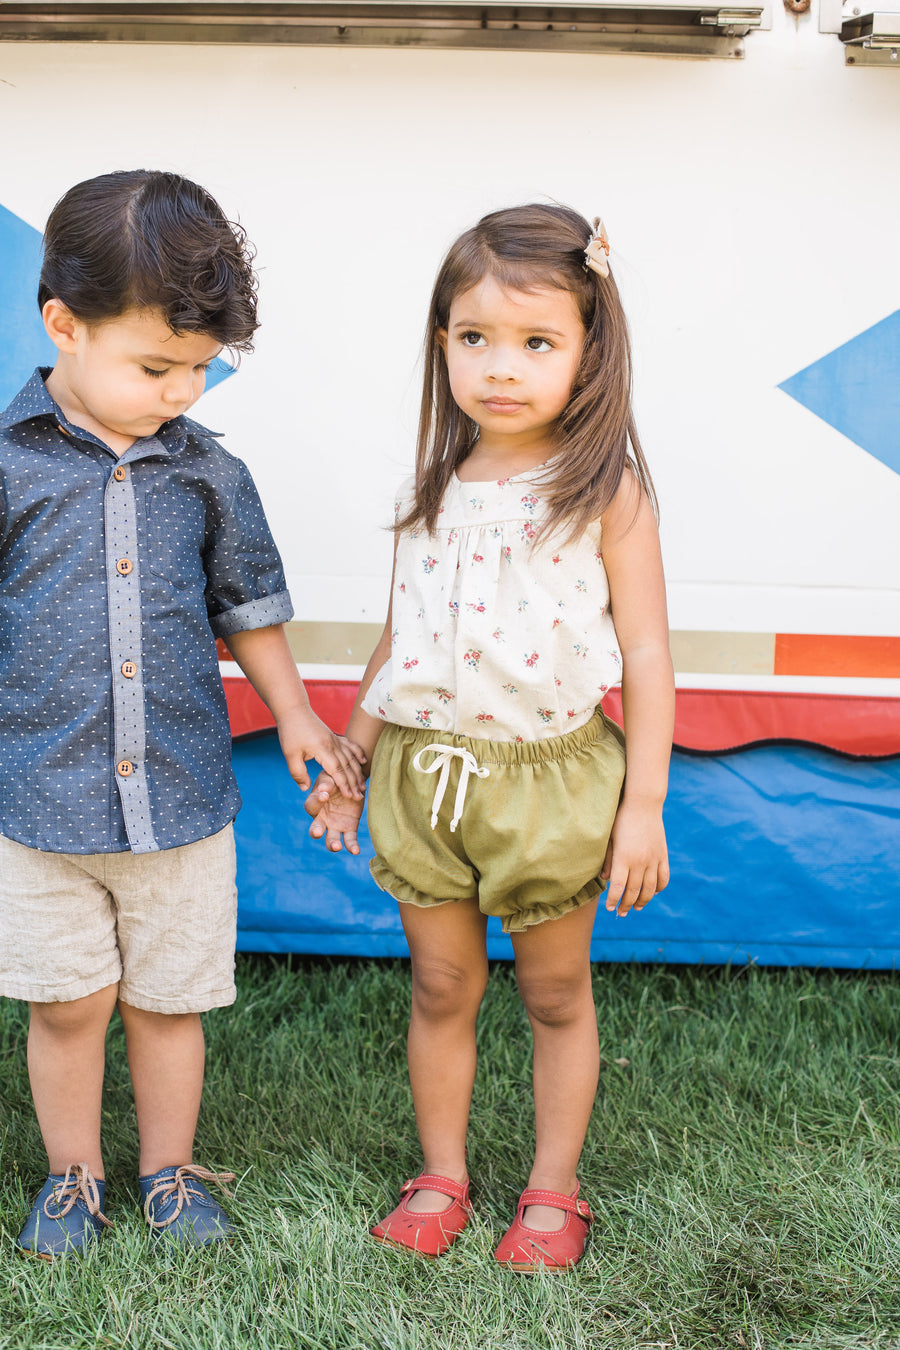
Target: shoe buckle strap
x=445, y=754
x=429, y=1181
x=556, y=1200
x=78, y=1184
x=178, y=1185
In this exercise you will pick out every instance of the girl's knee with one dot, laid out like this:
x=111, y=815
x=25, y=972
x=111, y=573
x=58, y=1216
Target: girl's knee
x=442, y=988
x=556, y=1000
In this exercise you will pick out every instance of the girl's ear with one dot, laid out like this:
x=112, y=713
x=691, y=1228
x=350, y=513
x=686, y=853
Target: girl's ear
x=441, y=336
x=63, y=329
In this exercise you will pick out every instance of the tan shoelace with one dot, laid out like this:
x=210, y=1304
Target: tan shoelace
x=78, y=1184
x=178, y=1185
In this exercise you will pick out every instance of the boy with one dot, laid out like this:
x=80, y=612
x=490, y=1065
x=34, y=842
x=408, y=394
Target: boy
x=129, y=540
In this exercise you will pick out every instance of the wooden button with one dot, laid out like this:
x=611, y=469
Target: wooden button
x=119, y=474
x=125, y=768
x=124, y=566
x=129, y=669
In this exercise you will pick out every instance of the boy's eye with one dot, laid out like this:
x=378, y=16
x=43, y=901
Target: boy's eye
x=538, y=344
x=472, y=339
x=154, y=374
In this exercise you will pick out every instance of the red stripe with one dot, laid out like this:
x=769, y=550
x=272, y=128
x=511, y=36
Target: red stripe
x=705, y=719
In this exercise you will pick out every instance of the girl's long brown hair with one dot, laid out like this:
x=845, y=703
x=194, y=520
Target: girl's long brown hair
x=527, y=248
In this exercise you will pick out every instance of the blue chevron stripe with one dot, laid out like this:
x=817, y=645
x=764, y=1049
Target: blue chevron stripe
x=856, y=390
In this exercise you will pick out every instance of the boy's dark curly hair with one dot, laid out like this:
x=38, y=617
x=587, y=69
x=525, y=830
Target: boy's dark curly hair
x=143, y=239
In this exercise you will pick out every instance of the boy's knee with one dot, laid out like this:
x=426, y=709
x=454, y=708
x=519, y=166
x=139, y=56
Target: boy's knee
x=441, y=987
x=77, y=1015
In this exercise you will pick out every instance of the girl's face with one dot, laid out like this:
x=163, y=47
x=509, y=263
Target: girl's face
x=512, y=357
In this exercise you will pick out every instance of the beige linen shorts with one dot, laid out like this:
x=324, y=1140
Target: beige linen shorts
x=531, y=834
x=161, y=925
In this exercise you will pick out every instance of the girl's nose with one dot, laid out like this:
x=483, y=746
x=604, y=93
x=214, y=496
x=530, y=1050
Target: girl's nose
x=502, y=365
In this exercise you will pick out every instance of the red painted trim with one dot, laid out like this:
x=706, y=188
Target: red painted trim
x=724, y=719
x=705, y=719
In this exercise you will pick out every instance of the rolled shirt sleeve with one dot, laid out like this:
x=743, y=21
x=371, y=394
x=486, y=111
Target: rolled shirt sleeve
x=245, y=579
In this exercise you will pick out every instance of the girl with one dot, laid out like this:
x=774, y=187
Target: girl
x=527, y=581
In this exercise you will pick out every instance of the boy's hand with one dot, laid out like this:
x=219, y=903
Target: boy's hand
x=303, y=736
x=637, y=860
x=335, y=815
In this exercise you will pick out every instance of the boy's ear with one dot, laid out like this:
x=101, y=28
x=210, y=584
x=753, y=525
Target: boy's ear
x=61, y=325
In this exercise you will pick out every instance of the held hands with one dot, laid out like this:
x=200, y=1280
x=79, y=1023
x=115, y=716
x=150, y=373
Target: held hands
x=637, y=861
x=303, y=736
x=334, y=815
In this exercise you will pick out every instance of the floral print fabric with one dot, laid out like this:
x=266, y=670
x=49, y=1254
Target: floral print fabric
x=496, y=634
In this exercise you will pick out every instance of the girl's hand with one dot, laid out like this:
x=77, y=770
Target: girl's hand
x=334, y=815
x=303, y=736
x=637, y=860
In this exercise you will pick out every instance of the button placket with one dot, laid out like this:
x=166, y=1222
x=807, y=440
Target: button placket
x=124, y=602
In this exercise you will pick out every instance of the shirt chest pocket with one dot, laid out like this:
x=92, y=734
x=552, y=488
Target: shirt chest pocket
x=175, y=534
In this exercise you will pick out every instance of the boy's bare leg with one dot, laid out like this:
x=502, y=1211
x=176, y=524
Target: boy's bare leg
x=66, y=1058
x=166, y=1057
x=449, y=975
x=553, y=971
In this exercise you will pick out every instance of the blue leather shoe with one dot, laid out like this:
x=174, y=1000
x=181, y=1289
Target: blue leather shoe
x=66, y=1216
x=179, y=1207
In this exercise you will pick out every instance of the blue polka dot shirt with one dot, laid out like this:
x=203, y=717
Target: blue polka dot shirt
x=116, y=577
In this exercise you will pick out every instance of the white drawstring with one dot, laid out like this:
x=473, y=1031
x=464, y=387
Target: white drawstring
x=445, y=753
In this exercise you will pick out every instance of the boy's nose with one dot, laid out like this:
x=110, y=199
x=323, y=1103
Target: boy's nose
x=185, y=388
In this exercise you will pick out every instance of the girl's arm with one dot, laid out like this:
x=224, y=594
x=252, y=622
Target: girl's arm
x=637, y=864
x=336, y=815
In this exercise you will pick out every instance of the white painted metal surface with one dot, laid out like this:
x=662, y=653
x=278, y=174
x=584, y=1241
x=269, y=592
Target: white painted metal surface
x=752, y=207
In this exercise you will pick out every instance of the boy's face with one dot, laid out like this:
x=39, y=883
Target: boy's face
x=123, y=378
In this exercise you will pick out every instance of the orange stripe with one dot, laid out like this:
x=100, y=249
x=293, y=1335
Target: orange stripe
x=827, y=654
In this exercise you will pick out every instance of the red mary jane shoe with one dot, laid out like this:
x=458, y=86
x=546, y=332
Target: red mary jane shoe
x=525, y=1249
x=433, y=1232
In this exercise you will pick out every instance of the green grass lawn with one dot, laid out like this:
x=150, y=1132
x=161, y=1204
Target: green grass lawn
x=743, y=1163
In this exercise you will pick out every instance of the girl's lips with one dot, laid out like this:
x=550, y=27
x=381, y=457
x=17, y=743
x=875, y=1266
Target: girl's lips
x=501, y=405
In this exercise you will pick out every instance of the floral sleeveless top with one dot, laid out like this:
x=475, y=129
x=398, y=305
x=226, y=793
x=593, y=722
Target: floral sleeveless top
x=495, y=636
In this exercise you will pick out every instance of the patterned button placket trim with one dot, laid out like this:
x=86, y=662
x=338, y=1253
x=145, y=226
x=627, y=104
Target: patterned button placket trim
x=124, y=601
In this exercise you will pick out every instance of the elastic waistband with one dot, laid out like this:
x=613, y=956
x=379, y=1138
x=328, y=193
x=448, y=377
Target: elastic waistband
x=512, y=753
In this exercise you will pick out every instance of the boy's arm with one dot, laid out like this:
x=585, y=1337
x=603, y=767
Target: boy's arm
x=334, y=815
x=265, y=658
x=637, y=865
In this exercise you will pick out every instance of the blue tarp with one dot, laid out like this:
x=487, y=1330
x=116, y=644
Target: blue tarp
x=782, y=855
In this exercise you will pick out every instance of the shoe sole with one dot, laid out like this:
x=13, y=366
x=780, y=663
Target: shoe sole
x=402, y=1247
x=525, y=1268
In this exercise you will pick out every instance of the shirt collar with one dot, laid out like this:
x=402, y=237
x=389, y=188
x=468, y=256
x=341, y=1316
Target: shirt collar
x=35, y=400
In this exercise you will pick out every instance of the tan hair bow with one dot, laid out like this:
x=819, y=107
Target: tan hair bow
x=596, y=255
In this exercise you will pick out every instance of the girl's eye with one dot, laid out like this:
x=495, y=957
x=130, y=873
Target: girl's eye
x=538, y=344
x=472, y=339
x=154, y=374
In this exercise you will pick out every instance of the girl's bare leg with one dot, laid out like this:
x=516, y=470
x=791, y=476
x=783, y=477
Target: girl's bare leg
x=66, y=1058
x=554, y=976
x=449, y=975
x=166, y=1057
